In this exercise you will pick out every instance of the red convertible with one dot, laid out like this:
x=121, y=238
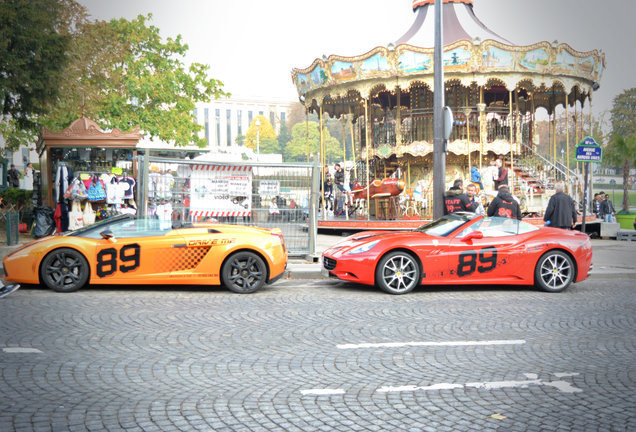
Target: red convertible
x=461, y=249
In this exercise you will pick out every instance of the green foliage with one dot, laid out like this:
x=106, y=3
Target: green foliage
x=283, y=136
x=265, y=131
x=33, y=42
x=623, y=113
x=240, y=140
x=298, y=148
x=18, y=197
x=621, y=150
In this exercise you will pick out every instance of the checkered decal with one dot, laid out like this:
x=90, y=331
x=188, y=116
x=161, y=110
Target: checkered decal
x=177, y=259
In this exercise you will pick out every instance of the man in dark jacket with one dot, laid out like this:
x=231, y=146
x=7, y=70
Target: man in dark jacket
x=607, y=210
x=504, y=205
x=502, y=174
x=561, y=210
x=455, y=200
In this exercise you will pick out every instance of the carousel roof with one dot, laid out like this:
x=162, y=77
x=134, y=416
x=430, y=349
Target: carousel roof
x=459, y=21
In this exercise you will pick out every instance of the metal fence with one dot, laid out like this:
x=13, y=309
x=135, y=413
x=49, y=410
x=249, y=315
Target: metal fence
x=266, y=195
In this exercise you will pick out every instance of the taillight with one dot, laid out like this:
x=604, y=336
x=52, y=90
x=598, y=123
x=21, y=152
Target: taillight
x=278, y=233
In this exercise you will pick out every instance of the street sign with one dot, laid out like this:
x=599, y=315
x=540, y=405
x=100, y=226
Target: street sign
x=588, y=150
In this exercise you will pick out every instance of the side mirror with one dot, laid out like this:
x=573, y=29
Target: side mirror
x=475, y=235
x=107, y=234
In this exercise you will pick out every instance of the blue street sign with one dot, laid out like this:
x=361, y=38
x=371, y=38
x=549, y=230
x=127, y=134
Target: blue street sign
x=588, y=150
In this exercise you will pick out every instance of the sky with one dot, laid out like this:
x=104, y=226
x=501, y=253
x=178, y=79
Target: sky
x=252, y=45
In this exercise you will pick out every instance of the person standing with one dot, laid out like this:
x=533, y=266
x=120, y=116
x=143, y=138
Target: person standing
x=13, y=177
x=504, y=205
x=455, y=200
x=28, y=176
x=502, y=174
x=561, y=210
x=338, y=180
x=597, y=205
x=475, y=177
x=607, y=210
x=475, y=203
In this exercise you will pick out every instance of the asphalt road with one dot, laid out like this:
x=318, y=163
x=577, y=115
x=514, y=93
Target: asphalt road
x=320, y=356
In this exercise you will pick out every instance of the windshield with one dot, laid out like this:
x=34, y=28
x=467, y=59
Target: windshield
x=446, y=224
x=499, y=227
x=126, y=227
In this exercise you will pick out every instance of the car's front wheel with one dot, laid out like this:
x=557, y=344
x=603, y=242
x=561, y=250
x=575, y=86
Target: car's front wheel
x=64, y=270
x=397, y=273
x=554, y=272
x=244, y=272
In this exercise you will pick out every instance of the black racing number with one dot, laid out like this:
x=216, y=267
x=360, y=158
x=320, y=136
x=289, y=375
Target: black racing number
x=468, y=261
x=490, y=260
x=132, y=257
x=107, y=260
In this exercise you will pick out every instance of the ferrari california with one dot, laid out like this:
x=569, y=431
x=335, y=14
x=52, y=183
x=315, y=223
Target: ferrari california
x=125, y=250
x=462, y=249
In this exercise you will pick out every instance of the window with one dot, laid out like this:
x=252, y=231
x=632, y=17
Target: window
x=228, y=138
x=207, y=125
x=239, y=119
x=250, y=116
x=218, y=127
x=272, y=119
x=282, y=117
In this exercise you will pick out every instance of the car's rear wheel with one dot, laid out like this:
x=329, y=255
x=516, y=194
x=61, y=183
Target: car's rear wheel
x=554, y=272
x=64, y=270
x=244, y=272
x=397, y=273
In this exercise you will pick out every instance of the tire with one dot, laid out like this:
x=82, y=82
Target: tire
x=397, y=273
x=64, y=270
x=554, y=272
x=244, y=272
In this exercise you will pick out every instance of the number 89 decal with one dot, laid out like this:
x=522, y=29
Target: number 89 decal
x=107, y=260
x=468, y=261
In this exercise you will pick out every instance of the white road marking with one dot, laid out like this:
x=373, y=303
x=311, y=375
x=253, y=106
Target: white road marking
x=21, y=350
x=322, y=392
x=562, y=386
x=430, y=344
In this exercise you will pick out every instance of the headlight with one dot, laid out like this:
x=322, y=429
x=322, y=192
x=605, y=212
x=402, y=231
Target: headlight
x=363, y=248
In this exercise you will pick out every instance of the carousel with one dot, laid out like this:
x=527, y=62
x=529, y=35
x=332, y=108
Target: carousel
x=496, y=91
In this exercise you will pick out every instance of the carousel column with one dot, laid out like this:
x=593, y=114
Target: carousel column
x=483, y=132
x=554, y=142
x=511, y=124
x=467, y=112
x=307, y=133
x=567, y=143
x=398, y=118
x=367, y=138
x=344, y=164
x=322, y=163
x=353, y=144
x=589, y=197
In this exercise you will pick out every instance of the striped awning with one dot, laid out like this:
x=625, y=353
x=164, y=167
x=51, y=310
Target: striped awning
x=459, y=21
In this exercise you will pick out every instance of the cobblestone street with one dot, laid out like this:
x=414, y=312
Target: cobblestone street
x=319, y=356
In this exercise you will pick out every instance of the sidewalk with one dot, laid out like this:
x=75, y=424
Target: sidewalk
x=613, y=259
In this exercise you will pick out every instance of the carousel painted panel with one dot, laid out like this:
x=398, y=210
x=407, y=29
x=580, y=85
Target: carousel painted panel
x=411, y=61
x=535, y=60
x=565, y=62
x=586, y=65
x=343, y=71
x=494, y=58
x=456, y=59
x=376, y=65
x=318, y=76
x=303, y=82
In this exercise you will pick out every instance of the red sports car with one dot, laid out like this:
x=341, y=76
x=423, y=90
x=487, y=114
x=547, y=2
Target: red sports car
x=460, y=249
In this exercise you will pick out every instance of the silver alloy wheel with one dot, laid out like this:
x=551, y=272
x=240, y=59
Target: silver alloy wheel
x=555, y=271
x=398, y=273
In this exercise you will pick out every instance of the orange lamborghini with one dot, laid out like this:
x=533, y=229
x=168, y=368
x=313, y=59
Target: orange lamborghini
x=125, y=250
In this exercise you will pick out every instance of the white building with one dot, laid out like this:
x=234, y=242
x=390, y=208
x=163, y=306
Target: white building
x=226, y=118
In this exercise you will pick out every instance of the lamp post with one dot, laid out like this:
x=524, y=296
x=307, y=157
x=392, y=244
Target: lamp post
x=258, y=141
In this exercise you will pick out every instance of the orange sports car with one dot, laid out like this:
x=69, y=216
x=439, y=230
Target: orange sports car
x=125, y=250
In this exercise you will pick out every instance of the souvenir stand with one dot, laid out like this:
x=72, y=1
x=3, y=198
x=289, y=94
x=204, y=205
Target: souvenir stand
x=384, y=97
x=88, y=173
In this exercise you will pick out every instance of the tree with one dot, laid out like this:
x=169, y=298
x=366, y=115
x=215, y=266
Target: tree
x=621, y=150
x=33, y=40
x=123, y=74
x=265, y=131
x=296, y=149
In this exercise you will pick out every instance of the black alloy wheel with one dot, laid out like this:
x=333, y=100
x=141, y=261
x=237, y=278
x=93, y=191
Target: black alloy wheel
x=244, y=272
x=64, y=270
